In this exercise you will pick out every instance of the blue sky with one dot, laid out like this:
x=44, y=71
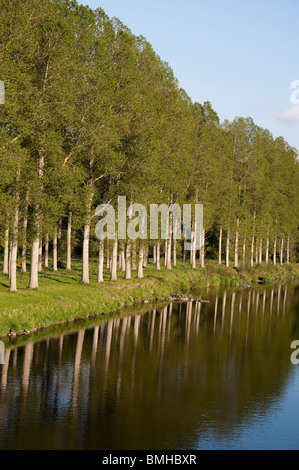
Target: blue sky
x=241, y=55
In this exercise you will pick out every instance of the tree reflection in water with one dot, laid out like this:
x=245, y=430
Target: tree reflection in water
x=165, y=379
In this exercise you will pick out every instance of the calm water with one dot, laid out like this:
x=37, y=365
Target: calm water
x=183, y=376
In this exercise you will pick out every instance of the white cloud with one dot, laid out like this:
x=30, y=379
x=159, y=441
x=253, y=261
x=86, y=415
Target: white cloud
x=291, y=116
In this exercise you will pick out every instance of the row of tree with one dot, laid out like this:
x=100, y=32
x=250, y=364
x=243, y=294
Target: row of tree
x=92, y=113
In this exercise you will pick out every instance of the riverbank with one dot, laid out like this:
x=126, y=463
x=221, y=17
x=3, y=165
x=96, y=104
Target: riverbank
x=62, y=298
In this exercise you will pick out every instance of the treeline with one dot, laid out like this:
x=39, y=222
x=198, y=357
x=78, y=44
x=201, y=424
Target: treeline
x=91, y=113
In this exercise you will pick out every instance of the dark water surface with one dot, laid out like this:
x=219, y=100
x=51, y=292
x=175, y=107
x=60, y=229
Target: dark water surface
x=182, y=376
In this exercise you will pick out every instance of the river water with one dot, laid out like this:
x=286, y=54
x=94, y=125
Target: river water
x=181, y=376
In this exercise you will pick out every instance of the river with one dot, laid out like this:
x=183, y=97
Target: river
x=189, y=376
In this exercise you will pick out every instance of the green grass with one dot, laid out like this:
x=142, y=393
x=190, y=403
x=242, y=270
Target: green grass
x=61, y=297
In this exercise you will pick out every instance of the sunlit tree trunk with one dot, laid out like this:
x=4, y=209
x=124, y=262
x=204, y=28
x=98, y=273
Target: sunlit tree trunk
x=107, y=256
x=128, y=260
x=46, y=251
x=101, y=262
x=193, y=248
x=85, y=258
x=33, y=283
x=267, y=250
x=174, y=254
x=281, y=251
x=34, y=264
x=165, y=255
x=114, y=260
x=123, y=258
x=140, y=264
x=227, y=249
x=86, y=236
x=40, y=256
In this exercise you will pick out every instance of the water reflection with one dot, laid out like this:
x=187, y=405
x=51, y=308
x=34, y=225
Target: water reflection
x=185, y=375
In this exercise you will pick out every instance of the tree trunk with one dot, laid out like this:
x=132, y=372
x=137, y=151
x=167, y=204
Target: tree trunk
x=114, y=260
x=220, y=246
x=101, y=262
x=257, y=251
x=107, y=256
x=128, y=261
x=193, y=249
x=69, y=242
x=6, y=251
x=227, y=249
x=33, y=284
x=154, y=254
x=166, y=255
x=236, y=263
x=174, y=254
x=47, y=251
x=158, y=266
x=86, y=235
x=55, y=249
x=14, y=251
x=85, y=257
x=140, y=264
x=281, y=251
x=40, y=256
x=123, y=258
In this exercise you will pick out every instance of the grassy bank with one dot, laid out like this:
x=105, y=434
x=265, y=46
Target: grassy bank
x=62, y=298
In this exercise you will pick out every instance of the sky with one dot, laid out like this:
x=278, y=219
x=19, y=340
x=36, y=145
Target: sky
x=241, y=55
